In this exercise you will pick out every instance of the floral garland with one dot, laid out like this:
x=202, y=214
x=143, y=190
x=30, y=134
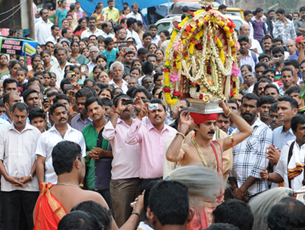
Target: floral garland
x=196, y=51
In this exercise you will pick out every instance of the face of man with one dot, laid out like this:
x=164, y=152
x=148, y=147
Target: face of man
x=267, y=43
x=39, y=123
x=142, y=57
x=2, y=110
x=271, y=15
x=148, y=83
x=295, y=17
x=55, y=33
x=14, y=98
x=111, y=4
x=285, y=112
x=66, y=103
x=245, y=30
x=95, y=111
x=80, y=102
x=270, y=75
x=274, y=121
x=303, y=70
x=135, y=8
x=117, y=73
x=68, y=35
x=302, y=13
x=280, y=56
x=33, y=100
x=264, y=112
x=272, y=92
x=93, y=39
x=61, y=56
x=259, y=71
x=300, y=133
x=92, y=24
x=50, y=47
x=248, y=17
x=244, y=47
x=153, y=31
x=147, y=40
x=19, y=118
x=233, y=108
x=10, y=87
x=287, y=78
x=238, y=99
x=129, y=58
x=45, y=14
x=295, y=96
x=93, y=53
x=280, y=16
x=182, y=105
x=291, y=48
x=60, y=116
x=261, y=87
x=153, y=60
x=223, y=123
x=108, y=29
x=157, y=116
x=249, y=110
x=248, y=78
x=122, y=34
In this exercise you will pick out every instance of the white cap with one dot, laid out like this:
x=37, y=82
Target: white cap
x=177, y=19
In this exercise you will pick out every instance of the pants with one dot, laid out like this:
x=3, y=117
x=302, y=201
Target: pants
x=123, y=192
x=105, y=193
x=15, y=202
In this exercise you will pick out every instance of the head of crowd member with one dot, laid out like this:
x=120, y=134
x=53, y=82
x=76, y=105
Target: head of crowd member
x=106, y=93
x=261, y=87
x=294, y=92
x=265, y=104
x=148, y=68
x=244, y=30
x=158, y=79
x=95, y=109
x=129, y=57
x=234, y=212
x=93, y=52
x=61, y=54
x=2, y=108
x=135, y=8
x=302, y=69
x=269, y=73
x=92, y=23
x=249, y=107
x=222, y=8
x=244, y=44
x=280, y=14
x=55, y=31
x=291, y=47
x=152, y=47
x=38, y=119
x=10, y=85
x=50, y=47
x=234, y=106
x=147, y=82
x=287, y=109
x=108, y=106
x=248, y=15
x=107, y=27
x=295, y=66
x=223, y=122
x=290, y=212
x=142, y=93
x=168, y=205
x=274, y=121
x=271, y=14
x=264, y=58
x=259, y=69
x=221, y=226
x=287, y=77
x=182, y=103
x=122, y=34
x=9, y=99
x=132, y=24
x=272, y=90
x=135, y=72
x=249, y=79
x=20, y=114
x=117, y=71
x=267, y=43
x=245, y=68
x=278, y=52
x=31, y=98
x=132, y=81
x=81, y=96
x=157, y=115
x=93, y=38
x=142, y=54
x=65, y=100
x=156, y=92
x=185, y=9
x=66, y=33
x=153, y=29
x=164, y=34
x=126, y=114
x=239, y=96
x=298, y=127
x=59, y=114
x=13, y=65
x=152, y=58
x=147, y=38
x=103, y=77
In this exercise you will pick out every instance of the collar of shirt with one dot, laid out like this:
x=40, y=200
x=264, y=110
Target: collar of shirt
x=289, y=131
x=27, y=127
x=150, y=126
x=79, y=118
x=53, y=129
x=123, y=84
x=257, y=123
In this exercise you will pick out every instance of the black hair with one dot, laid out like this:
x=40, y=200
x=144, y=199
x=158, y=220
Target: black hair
x=135, y=68
x=188, y=104
x=142, y=51
x=280, y=11
x=132, y=89
x=147, y=34
x=20, y=106
x=222, y=226
x=155, y=89
x=92, y=100
x=296, y=120
x=267, y=100
x=107, y=102
x=293, y=89
x=243, y=38
x=234, y=212
x=277, y=50
x=36, y=112
x=131, y=21
x=261, y=64
x=270, y=11
x=293, y=102
x=61, y=96
x=63, y=82
x=147, y=67
x=158, y=101
x=262, y=56
x=27, y=92
x=89, y=79
x=246, y=12
x=97, y=210
x=267, y=37
x=273, y=108
x=55, y=106
x=302, y=9
x=258, y=10
x=157, y=75
x=271, y=86
x=151, y=55
x=13, y=62
x=2, y=103
x=34, y=83
x=142, y=90
x=38, y=73
x=169, y=201
x=85, y=92
x=248, y=67
x=289, y=213
x=269, y=70
x=292, y=62
x=58, y=49
x=185, y=9
x=251, y=96
x=9, y=81
x=165, y=32
x=235, y=102
x=64, y=31
x=287, y=69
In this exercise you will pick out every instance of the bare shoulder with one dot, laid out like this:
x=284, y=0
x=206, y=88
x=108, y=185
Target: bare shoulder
x=94, y=196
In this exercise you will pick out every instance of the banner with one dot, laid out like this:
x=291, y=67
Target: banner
x=89, y=5
x=18, y=47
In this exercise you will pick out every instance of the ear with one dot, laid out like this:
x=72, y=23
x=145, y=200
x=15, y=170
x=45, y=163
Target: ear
x=7, y=106
x=150, y=216
x=196, y=127
x=295, y=111
x=190, y=215
x=77, y=163
x=103, y=107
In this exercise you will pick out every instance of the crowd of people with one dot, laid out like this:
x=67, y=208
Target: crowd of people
x=87, y=142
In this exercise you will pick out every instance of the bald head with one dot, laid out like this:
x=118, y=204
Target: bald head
x=291, y=47
x=245, y=30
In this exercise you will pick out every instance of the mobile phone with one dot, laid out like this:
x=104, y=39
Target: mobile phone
x=45, y=98
x=153, y=106
x=83, y=69
x=127, y=102
x=276, y=59
x=68, y=86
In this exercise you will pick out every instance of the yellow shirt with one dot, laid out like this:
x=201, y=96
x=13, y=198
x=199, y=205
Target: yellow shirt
x=113, y=14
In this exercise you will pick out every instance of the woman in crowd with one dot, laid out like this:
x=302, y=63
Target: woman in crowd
x=80, y=58
x=34, y=61
x=98, y=14
x=135, y=72
x=160, y=57
x=61, y=13
x=106, y=93
x=51, y=12
x=103, y=77
x=102, y=61
x=46, y=58
x=74, y=16
x=137, y=63
x=96, y=70
x=152, y=48
x=82, y=26
x=3, y=65
x=125, y=11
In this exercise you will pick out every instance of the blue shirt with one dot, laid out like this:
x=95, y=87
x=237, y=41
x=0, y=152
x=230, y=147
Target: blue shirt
x=5, y=117
x=294, y=56
x=110, y=56
x=280, y=138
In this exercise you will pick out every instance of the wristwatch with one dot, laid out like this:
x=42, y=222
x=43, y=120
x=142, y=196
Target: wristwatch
x=30, y=175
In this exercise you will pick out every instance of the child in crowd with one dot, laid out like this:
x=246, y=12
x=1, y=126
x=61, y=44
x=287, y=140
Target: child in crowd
x=110, y=52
x=21, y=78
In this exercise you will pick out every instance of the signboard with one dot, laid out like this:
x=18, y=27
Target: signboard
x=20, y=47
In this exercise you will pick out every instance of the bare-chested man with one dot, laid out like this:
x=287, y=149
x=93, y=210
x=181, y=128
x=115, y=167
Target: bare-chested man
x=201, y=150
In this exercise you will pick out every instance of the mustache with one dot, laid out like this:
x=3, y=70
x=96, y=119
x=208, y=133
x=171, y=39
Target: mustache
x=62, y=119
x=126, y=110
x=19, y=122
x=157, y=116
x=211, y=132
x=250, y=114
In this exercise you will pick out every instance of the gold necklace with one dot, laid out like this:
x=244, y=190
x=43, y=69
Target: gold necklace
x=201, y=155
x=68, y=184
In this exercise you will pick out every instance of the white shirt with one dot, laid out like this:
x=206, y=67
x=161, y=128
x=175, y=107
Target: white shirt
x=136, y=16
x=143, y=226
x=52, y=39
x=43, y=31
x=251, y=28
x=156, y=40
x=124, y=87
x=59, y=72
x=134, y=35
x=298, y=155
x=3, y=124
x=91, y=66
x=87, y=33
x=111, y=35
x=48, y=140
x=255, y=45
x=18, y=155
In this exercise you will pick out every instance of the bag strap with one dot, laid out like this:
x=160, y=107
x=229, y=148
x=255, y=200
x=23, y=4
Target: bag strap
x=289, y=157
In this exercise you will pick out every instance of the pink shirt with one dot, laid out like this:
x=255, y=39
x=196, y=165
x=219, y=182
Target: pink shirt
x=126, y=159
x=151, y=144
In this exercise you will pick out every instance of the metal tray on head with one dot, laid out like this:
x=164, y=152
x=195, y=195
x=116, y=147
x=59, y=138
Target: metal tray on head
x=199, y=106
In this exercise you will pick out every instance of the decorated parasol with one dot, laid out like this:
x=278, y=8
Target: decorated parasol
x=201, y=61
